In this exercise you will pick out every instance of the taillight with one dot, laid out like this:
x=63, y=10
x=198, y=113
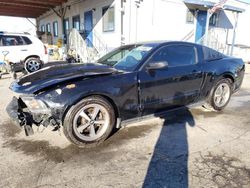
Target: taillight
x=45, y=50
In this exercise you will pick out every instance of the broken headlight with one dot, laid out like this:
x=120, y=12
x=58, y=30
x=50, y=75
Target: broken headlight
x=35, y=105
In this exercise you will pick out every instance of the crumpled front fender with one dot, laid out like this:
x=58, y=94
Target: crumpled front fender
x=13, y=111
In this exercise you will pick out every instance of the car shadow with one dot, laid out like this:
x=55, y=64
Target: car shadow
x=169, y=163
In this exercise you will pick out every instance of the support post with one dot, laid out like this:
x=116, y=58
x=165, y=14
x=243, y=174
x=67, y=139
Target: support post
x=228, y=48
x=195, y=23
x=136, y=22
x=61, y=14
x=63, y=32
x=207, y=28
x=234, y=33
x=37, y=25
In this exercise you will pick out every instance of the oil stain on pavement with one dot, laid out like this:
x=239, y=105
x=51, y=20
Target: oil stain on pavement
x=46, y=151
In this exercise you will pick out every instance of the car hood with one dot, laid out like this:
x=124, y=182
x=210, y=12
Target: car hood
x=56, y=74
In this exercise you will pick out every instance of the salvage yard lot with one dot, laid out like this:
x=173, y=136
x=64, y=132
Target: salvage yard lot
x=189, y=148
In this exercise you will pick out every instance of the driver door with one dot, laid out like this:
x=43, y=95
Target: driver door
x=177, y=84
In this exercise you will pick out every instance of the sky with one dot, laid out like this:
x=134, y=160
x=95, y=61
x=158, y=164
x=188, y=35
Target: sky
x=15, y=24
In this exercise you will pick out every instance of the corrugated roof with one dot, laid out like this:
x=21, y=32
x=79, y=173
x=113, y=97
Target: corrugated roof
x=209, y=4
x=27, y=8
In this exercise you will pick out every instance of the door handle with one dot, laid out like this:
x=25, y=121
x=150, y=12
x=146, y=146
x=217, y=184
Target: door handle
x=24, y=50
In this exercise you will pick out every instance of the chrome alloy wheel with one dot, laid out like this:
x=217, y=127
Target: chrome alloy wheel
x=222, y=95
x=91, y=122
x=33, y=65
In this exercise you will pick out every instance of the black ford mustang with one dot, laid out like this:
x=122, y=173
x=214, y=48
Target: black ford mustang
x=89, y=100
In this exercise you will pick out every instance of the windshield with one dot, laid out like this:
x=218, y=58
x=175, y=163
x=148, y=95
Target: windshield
x=126, y=59
x=114, y=56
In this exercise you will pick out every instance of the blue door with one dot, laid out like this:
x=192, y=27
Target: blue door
x=201, y=25
x=88, y=27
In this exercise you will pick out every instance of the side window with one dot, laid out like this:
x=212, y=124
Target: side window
x=27, y=40
x=12, y=40
x=108, y=23
x=48, y=29
x=76, y=22
x=190, y=16
x=175, y=55
x=55, y=29
x=210, y=54
x=213, y=19
x=42, y=28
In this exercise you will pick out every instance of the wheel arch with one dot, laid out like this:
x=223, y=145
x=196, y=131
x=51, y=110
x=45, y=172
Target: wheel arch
x=106, y=97
x=31, y=56
x=226, y=75
x=229, y=76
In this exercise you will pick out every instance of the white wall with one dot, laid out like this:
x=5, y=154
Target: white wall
x=113, y=38
x=243, y=29
x=153, y=20
x=156, y=20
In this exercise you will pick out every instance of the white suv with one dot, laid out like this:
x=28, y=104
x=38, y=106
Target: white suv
x=22, y=51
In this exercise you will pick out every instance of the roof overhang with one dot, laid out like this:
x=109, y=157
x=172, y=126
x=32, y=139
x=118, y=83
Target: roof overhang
x=209, y=4
x=27, y=8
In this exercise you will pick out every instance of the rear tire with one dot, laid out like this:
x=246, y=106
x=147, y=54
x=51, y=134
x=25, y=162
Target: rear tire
x=89, y=122
x=220, y=95
x=32, y=64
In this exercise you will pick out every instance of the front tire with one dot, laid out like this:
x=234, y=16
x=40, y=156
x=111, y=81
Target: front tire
x=89, y=122
x=221, y=95
x=32, y=64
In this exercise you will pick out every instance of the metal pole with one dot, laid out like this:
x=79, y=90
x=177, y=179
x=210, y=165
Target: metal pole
x=227, y=42
x=207, y=28
x=234, y=34
x=37, y=26
x=136, y=22
x=195, y=24
x=130, y=9
x=63, y=30
x=32, y=22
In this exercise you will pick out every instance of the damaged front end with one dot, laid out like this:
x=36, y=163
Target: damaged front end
x=44, y=96
x=27, y=111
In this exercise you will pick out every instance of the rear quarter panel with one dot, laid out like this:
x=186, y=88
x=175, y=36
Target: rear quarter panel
x=37, y=48
x=215, y=70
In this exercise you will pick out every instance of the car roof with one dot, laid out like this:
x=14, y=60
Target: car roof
x=159, y=43
x=14, y=33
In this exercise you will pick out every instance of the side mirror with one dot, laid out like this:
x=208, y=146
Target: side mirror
x=157, y=65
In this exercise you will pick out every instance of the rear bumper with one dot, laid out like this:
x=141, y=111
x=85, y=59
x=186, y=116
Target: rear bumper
x=45, y=58
x=239, y=80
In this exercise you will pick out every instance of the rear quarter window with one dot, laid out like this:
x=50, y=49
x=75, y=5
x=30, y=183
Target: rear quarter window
x=210, y=54
x=27, y=40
